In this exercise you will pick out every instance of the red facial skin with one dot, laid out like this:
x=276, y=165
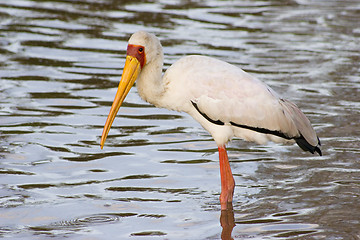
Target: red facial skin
x=138, y=52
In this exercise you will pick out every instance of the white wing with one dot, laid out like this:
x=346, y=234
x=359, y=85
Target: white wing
x=223, y=93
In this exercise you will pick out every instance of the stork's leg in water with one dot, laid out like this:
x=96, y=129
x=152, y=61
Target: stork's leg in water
x=227, y=179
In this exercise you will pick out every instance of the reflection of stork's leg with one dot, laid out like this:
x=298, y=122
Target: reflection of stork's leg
x=227, y=222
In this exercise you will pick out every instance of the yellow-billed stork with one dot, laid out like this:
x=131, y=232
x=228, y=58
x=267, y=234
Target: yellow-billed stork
x=224, y=99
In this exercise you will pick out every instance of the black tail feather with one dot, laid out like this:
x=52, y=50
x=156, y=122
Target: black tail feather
x=304, y=145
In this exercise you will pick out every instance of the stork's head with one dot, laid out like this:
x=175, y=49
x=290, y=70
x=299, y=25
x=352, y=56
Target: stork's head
x=142, y=49
x=145, y=47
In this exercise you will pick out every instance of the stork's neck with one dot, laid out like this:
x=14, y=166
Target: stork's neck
x=149, y=82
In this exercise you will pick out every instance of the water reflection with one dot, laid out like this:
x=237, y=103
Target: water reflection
x=60, y=65
x=227, y=222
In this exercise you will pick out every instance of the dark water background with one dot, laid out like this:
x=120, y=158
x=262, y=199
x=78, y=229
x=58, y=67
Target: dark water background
x=158, y=176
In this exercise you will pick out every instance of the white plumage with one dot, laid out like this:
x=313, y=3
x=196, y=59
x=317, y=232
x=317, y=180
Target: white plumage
x=228, y=94
x=224, y=99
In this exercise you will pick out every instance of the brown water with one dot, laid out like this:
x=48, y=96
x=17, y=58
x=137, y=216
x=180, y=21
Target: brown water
x=158, y=176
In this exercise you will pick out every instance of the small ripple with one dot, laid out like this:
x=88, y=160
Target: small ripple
x=14, y=172
x=12, y=201
x=98, y=170
x=195, y=161
x=89, y=182
x=149, y=189
x=285, y=214
x=149, y=233
x=7, y=231
x=86, y=157
x=154, y=117
x=135, y=199
x=36, y=186
x=142, y=176
x=257, y=221
x=152, y=215
x=95, y=219
x=81, y=222
x=294, y=234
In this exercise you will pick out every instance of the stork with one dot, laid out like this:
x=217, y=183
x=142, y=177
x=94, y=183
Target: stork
x=224, y=99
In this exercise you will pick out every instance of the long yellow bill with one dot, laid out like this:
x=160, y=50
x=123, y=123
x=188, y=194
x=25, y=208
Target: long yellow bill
x=130, y=74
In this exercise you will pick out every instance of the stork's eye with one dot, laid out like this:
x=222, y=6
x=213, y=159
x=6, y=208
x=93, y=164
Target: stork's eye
x=141, y=50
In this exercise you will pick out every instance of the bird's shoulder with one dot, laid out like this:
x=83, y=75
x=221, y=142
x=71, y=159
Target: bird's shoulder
x=213, y=83
x=207, y=66
x=207, y=73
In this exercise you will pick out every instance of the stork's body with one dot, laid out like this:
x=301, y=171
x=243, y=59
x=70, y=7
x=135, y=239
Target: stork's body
x=224, y=99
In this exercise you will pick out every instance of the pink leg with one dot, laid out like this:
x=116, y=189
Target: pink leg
x=227, y=179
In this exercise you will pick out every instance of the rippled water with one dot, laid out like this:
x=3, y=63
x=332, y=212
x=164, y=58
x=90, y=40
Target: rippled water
x=158, y=175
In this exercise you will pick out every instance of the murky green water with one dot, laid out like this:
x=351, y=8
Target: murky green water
x=158, y=176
